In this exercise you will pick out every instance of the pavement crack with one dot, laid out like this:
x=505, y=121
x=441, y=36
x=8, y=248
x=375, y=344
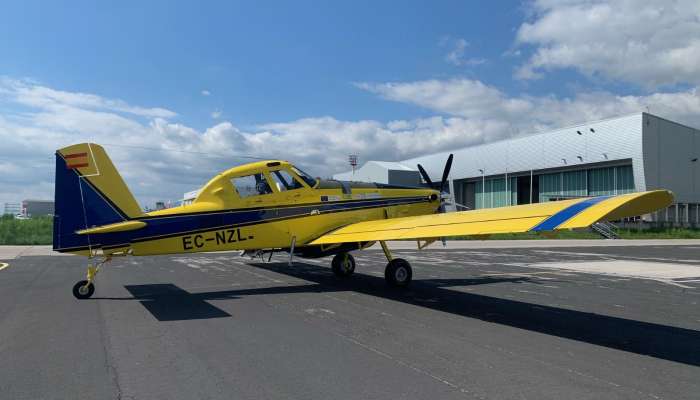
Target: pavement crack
x=106, y=350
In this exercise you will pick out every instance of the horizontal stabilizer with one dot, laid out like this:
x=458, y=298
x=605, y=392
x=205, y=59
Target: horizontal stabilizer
x=117, y=227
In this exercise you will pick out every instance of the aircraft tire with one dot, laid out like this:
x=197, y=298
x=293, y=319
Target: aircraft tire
x=81, y=292
x=398, y=273
x=343, y=265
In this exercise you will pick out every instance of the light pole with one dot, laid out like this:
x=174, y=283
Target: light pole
x=693, y=160
x=352, y=159
x=507, y=191
x=530, y=187
x=483, y=188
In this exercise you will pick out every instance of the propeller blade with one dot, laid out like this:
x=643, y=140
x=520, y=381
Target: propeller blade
x=425, y=176
x=446, y=173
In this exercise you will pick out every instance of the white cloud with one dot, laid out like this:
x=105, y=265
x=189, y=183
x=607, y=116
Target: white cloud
x=205, y=92
x=34, y=95
x=161, y=159
x=457, y=56
x=216, y=114
x=474, y=100
x=651, y=44
x=459, y=97
x=325, y=143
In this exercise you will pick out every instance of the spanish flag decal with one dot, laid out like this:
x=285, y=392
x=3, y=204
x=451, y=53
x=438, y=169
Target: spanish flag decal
x=76, y=160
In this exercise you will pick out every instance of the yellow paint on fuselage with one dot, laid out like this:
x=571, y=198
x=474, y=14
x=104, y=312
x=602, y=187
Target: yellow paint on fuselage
x=220, y=195
x=275, y=234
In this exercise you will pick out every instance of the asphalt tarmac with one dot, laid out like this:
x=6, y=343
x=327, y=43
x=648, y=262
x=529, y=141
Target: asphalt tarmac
x=538, y=323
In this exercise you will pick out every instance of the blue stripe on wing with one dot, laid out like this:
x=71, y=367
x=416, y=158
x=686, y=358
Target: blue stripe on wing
x=562, y=216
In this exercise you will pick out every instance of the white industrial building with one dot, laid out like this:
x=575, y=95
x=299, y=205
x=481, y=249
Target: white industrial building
x=635, y=152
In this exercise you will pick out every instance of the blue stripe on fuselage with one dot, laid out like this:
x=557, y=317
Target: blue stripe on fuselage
x=560, y=217
x=175, y=225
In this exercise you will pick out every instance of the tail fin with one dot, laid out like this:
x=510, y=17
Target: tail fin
x=89, y=192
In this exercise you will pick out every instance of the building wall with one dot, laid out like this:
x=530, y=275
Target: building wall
x=586, y=182
x=370, y=172
x=37, y=208
x=669, y=149
x=600, y=141
x=495, y=192
x=610, y=140
x=404, y=178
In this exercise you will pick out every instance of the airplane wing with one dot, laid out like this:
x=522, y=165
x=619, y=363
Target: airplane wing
x=555, y=215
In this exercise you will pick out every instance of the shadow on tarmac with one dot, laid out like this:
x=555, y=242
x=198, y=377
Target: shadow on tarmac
x=168, y=302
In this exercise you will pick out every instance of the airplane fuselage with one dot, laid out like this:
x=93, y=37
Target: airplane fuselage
x=274, y=226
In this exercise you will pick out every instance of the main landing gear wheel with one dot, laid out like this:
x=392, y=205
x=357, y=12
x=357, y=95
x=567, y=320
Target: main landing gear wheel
x=343, y=264
x=83, y=290
x=398, y=273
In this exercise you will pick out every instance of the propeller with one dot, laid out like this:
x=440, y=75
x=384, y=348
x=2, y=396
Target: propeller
x=446, y=173
x=425, y=176
x=443, y=183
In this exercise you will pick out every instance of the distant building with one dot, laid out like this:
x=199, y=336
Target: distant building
x=12, y=209
x=162, y=205
x=384, y=172
x=626, y=154
x=188, y=198
x=37, y=208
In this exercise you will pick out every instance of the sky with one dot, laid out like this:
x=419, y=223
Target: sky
x=179, y=91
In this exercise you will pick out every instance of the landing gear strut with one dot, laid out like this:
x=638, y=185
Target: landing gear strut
x=398, y=272
x=343, y=264
x=85, y=288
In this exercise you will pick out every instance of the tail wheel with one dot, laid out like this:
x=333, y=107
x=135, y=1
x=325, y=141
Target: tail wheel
x=343, y=264
x=83, y=290
x=398, y=273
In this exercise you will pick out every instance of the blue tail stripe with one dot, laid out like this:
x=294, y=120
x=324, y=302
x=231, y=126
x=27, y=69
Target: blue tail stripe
x=559, y=218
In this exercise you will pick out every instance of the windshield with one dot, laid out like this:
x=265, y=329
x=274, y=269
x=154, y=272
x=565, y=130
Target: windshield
x=285, y=181
x=251, y=185
x=311, y=181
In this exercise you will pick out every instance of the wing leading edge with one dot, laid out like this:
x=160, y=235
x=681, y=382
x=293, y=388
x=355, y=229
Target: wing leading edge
x=556, y=215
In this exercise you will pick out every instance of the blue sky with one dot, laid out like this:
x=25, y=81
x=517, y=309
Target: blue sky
x=261, y=61
x=313, y=81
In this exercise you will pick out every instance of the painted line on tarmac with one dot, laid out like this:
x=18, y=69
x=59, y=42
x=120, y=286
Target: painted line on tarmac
x=3, y=265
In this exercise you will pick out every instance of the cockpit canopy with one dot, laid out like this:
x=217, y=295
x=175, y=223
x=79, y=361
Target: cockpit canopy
x=270, y=177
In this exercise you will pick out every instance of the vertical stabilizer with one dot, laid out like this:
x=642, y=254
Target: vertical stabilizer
x=88, y=192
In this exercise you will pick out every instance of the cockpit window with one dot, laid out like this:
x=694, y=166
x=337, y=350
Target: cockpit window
x=311, y=181
x=251, y=185
x=285, y=181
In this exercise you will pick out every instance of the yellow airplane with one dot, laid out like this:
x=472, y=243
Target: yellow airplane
x=269, y=206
